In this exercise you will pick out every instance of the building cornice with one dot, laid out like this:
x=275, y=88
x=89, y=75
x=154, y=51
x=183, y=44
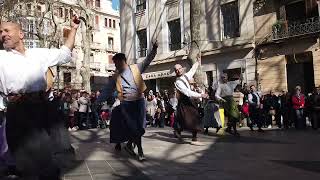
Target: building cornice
x=204, y=53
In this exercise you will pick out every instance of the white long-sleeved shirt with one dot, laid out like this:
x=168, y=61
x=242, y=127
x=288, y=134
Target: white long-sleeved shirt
x=27, y=73
x=2, y=104
x=130, y=90
x=250, y=99
x=226, y=89
x=182, y=84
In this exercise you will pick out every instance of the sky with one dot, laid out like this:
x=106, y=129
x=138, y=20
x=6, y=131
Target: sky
x=115, y=4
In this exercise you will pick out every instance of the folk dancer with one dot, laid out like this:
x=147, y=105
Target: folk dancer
x=187, y=115
x=224, y=93
x=128, y=119
x=23, y=83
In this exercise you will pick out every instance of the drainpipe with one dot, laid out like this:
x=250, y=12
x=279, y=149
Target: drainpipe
x=318, y=2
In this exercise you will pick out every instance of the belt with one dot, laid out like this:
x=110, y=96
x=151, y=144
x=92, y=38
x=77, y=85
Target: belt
x=32, y=97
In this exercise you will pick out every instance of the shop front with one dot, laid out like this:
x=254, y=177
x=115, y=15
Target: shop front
x=160, y=80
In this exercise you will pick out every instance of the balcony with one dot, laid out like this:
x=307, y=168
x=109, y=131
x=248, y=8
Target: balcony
x=70, y=85
x=175, y=46
x=285, y=29
x=95, y=66
x=70, y=64
x=110, y=48
x=95, y=45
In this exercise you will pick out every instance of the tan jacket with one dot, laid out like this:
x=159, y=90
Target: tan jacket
x=137, y=79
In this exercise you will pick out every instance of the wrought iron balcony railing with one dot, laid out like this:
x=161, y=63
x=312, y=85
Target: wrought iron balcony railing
x=286, y=29
x=95, y=65
x=70, y=85
x=175, y=46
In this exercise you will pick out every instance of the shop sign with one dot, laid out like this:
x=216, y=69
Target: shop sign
x=157, y=75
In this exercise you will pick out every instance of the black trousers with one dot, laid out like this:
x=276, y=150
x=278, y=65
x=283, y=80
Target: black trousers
x=255, y=117
x=35, y=134
x=315, y=119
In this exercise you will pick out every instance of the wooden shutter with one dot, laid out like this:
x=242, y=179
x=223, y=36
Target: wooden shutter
x=311, y=8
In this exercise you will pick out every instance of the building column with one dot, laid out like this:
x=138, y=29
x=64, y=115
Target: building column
x=316, y=67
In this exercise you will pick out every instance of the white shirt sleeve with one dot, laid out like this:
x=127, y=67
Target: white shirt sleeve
x=192, y=71
x=234, y=84
x=57, y=56
x=186, y=91
x=250, y=99
x=218, y=93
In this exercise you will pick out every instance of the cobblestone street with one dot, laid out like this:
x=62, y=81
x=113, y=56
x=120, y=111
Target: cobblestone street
x=275, y=154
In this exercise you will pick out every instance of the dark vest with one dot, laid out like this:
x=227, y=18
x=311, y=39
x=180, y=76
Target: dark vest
x=254, y=98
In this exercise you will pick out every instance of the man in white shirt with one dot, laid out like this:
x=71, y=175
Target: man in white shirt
x=187, y=116
x=29, y=114
x=224, y=93
x=255, y=108
x=84, y=110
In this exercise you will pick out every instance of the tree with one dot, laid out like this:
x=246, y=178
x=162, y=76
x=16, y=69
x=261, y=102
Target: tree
x=195, y=51
x=44, y=22
x=86, y=32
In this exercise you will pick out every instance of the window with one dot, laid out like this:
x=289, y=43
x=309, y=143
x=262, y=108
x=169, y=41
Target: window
x=91, y=37
x=71, y=13
x=39, y=13
x=66, y=14
x=105, y=22
x=89, y=3
x=110, y=43
x=233, y=74
x=114, y=23
x=67, y=77
x=97, y=21
x=110, y=23
x=142, y=40
x=174, y=35
x=97, y=3
x=230, y=19
x=31, y=44
x=140, y=5
x=29, y=7
x=29, y=28
x=91, y=58
x=60, y=12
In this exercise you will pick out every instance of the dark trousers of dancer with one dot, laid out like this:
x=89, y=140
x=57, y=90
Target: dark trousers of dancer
x=187, y=117
x=255, y=117
x=34, y=136
x=127, y=123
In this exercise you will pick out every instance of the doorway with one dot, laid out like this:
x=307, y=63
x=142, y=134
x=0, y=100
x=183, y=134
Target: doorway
x=300, y=72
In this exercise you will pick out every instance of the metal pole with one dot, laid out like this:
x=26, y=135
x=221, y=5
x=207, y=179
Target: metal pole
x=58, y=76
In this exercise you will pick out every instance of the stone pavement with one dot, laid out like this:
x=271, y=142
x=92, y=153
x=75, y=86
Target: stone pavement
x=275, y=154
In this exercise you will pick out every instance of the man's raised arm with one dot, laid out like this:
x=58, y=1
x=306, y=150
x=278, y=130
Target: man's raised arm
x=193, y=69
x=63, y=55
x=144, y=65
